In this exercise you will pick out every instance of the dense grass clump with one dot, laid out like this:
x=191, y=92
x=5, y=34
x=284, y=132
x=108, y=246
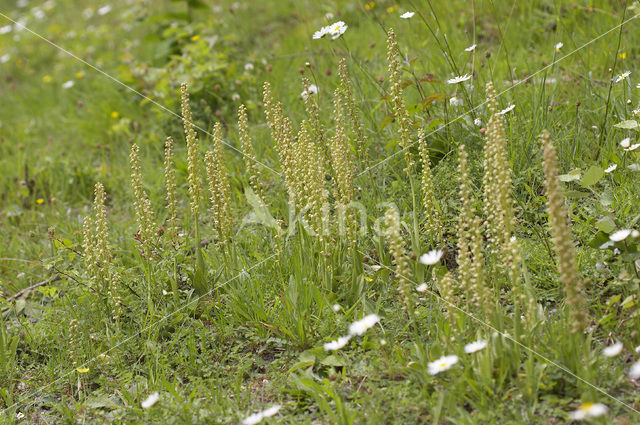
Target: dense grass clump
x=302, y=212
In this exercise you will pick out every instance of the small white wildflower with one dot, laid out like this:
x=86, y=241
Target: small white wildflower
x=478, y=122
x=5, y=58
x=475, y=346
x=248, y=67
x=471, y=48
x=637, y=349
x=589, y=410
x=6, y=29
x=68, y=84
x=328, y=16
x=320, y=33
x=257, y=417
x=611, y=168
x=383, y=342
x=336, y=307
x=622, y=76
x=38, y=13
x=634, y=371
x=19, y=415
x=87, y=13
x=360, y=326
x=422, y=287
x=635, y=234
x=104, y=9
x=625, y=142
x=632, y=147
x=636, y=111
x=407, y=15
x=150, y=401
x=442, y=364
x=337, y=29
x=431, y=257
x=455, y=102
x=459, y=79
x=558, y=46
x=235, y=97
x=313, y=89
x=507, y=109
x=620, y=235
x=338, y=344
x=271, y=411
x=612, y=350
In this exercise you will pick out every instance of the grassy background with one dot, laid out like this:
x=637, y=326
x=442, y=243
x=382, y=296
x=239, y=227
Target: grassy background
x=259, y=340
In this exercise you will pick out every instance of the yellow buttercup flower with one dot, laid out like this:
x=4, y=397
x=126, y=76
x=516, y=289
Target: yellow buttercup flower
x=79, y=74
x=82, y=369
x=39, y=201
x=195, y=38
x=47, y=79
x=115, y=114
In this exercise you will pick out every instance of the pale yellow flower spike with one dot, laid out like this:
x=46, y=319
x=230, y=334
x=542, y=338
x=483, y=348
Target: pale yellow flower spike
x=561, y=237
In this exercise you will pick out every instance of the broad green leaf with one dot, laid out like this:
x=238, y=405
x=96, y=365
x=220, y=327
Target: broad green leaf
x=571, y=176
x=592, y=176
x=606, y=224
x=627, y=124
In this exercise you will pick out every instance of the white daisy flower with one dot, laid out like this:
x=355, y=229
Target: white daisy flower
x=442, y=364
x=336, y=345
x=104, y=9
x=632, y=147
x=360, y=326
x=150, y=401
x=475, y=346
x=431, y=257
x=634, y=371
x=459, y=79
x=257, y=417
x=620, y=235
x=321, y=33
x=625, y=142
x=611, y=168
x=558, y=46
x=313, y=89
x=407, y=15
x=612, y=350
x=622, y=76
x=68, y=84
x=478, y=122
x=456, y=102
x=422, y=287
x=589, y=410
x=336, y=29
x=6, y=29
x=507, y=109
x=471, y=48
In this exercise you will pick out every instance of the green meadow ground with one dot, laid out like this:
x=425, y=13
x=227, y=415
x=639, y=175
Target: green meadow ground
x=254, y=337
